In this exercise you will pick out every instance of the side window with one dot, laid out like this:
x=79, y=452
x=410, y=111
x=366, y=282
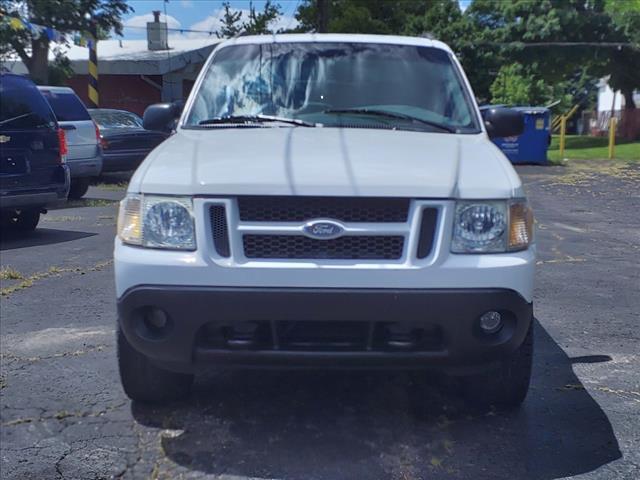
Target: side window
x=23, y=106
x=66, y=106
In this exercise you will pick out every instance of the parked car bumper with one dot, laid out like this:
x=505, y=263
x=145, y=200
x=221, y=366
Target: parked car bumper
x=120, y=161
x=42, y=196
x=85, y=167
x=335, y=328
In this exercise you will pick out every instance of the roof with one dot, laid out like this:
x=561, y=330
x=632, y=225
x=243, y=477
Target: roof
x=126, y=57
x=532, y=110
x=338, y=38
x=132, y=57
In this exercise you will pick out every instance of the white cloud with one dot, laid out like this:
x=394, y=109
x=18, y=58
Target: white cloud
x=213, y=22
x=186, y=3
x=141, y=21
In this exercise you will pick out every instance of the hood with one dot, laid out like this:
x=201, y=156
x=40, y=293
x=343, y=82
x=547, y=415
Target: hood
x=328, y=162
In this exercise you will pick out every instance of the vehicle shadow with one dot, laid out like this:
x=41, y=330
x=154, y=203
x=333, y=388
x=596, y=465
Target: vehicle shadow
x=10, y=239
x=345, y=425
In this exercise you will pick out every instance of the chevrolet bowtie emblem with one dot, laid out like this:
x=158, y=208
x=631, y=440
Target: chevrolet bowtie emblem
x=4, y=139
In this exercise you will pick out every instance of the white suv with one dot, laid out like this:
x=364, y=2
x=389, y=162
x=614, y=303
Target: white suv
x=327, y=201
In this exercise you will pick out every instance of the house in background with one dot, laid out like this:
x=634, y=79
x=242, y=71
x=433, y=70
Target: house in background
x=610, y=102
x=133, y=74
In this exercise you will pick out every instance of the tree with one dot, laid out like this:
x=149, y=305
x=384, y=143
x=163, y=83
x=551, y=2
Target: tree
x=360, y=16
x=230, y=22
x=443, y=20
x=624, y=63
x=258, y=23
x=513, y=86
x=556, y=36
x=65, y=16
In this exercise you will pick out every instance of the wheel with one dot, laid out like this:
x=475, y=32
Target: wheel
x=27, y=220
x=143, y=381
x=506, y=387
x=79, y=187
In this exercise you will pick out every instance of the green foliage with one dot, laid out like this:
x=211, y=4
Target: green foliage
x=362, y=16
x=578, y=147
x=624, y=63
x=60, y=69
x=66, y=16
x=258, y=22
x=513, y=86
x=230, y=22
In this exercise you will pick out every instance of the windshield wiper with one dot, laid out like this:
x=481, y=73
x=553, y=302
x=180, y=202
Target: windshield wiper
x=388, y=114
x=255, y=119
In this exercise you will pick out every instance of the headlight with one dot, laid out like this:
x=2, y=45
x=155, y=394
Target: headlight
x=492, y=227
x=157, y=222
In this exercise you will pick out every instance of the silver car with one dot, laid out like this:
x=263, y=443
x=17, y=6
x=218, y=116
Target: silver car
x=83, y=138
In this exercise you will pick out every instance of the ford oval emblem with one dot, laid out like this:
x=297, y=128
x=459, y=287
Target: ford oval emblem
x=323, y=229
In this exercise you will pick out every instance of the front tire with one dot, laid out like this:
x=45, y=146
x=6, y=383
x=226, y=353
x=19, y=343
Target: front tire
x=144, y=382
x=506, y=387
x=78, y=188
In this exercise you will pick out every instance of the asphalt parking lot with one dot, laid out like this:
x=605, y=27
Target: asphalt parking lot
x=64, y=415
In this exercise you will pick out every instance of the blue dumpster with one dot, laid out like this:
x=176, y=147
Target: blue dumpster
x=532, y=145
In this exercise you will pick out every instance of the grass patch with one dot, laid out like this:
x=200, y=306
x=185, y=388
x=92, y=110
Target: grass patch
x=112, y=186
x=580, y=147
x=8, y=273
x=27, y=282
x=63, y=218
x=88, y=202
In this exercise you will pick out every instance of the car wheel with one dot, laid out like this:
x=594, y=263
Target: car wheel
x=79, y=187
x=506, y=387
x=145, y=382
x=27, y=220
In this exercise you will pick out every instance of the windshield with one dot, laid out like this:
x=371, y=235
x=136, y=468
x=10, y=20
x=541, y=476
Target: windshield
x=67, y=106
x=22, y=105
x=116, y=119
x=317, y=82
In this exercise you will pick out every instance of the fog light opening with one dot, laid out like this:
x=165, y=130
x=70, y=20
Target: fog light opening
x=156, y=320
x=491, y=322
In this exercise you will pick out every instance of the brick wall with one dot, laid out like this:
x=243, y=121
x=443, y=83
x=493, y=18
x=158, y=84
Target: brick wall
x=125, y=92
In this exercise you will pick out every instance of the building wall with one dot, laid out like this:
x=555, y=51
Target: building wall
x=125, y=92
x=606, y=99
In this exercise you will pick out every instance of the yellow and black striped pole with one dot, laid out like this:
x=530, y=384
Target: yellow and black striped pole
x=93, y=68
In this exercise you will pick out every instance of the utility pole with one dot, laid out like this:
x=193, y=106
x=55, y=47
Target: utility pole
x=323, y=16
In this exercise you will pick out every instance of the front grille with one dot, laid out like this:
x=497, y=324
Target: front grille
x=356, y=247
x=220, y=230
x=428, y=224
x=345, y=209
x=321, y=336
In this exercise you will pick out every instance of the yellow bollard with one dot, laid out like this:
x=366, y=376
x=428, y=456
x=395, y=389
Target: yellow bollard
x=612, y=137
x=563, y=134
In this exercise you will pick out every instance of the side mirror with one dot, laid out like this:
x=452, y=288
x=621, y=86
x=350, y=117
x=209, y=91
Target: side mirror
x=503, y=122
x=161, y=116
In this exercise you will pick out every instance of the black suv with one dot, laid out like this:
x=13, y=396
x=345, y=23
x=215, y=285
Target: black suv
x=33, y=173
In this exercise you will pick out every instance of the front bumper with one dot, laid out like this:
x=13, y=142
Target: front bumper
x=343, y=328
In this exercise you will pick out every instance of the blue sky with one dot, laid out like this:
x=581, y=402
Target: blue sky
x=193, y=14
x=200, y=14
